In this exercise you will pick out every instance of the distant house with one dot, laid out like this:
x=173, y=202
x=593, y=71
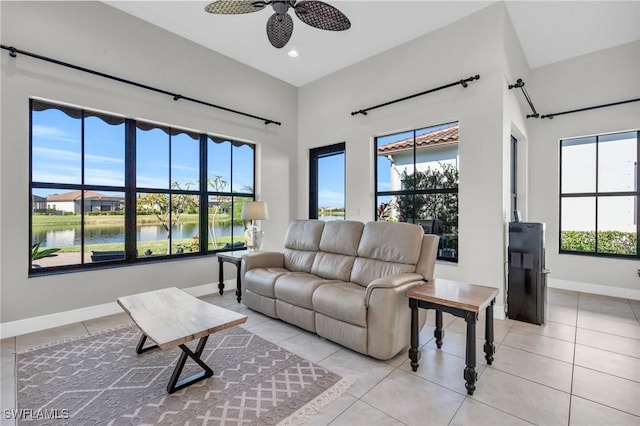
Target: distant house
x=93, y=202
x=38, y=204
x=432, y=149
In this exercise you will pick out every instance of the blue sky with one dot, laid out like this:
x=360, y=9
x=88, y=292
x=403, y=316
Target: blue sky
x=57, y=155
x=331, y=177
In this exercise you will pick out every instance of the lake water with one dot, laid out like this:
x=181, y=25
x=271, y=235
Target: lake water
x=115, y=234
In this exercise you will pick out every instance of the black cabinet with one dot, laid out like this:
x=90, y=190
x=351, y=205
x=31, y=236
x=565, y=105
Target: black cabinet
x=527, y=285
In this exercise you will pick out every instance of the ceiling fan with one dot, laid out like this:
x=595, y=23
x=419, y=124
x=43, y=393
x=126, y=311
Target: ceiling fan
x=280, y=25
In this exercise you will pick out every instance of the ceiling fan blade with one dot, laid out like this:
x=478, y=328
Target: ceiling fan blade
x=235, y=7
x=321, y=15
x=279, y=29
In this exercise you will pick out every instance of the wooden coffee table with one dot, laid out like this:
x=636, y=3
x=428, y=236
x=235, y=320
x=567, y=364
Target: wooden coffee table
x=170, y=317
x=462, y=300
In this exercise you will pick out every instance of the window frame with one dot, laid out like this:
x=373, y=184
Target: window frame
x=597, y=195
x=413, y=192
x=514, y=178
x=131, y=190
x=316, y=154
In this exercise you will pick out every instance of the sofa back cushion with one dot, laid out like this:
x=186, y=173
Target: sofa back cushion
x=338, y=248
x=366, y=270
x=304, y=235
x=341, y=237
x=395, y=242
x=332, y=266
x=386, y=248
x=302, y=242
x=428, y=253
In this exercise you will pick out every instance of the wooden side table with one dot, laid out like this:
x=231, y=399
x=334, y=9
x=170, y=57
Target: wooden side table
x=234, y=257
x=462, y=300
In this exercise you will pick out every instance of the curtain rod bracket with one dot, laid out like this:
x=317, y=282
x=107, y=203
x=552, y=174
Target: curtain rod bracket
x=363, y=112
x=520, y=85
x=177, y=97
x=12, y=52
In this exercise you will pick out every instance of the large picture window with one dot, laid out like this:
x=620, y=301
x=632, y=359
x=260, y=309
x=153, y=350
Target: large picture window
x=110, y=190
x=417, y=182
x=599, y=195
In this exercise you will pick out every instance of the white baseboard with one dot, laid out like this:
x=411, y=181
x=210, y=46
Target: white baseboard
x=498, y=312
x=30, y=325
x=604, y=290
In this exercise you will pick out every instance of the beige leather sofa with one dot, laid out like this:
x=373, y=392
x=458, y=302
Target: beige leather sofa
x=344, y=280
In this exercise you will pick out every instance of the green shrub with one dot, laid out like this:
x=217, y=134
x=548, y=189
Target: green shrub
x=615, y=242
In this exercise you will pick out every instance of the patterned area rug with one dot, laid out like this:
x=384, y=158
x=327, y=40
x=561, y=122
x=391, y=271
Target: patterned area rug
x=100, y=379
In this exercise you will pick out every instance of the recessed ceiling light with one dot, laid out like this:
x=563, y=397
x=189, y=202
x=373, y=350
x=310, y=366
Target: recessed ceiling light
x=293, y=53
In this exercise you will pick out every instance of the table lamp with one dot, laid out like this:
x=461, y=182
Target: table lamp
x=254, y=210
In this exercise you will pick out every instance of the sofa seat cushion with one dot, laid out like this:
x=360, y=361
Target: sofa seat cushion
x=262, y=280
x=297, y=288
x=343, y=301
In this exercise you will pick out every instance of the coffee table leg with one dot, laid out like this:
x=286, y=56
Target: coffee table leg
x=489, y=347
x=470, y=374
x=414, y=352
x=175, y=385
x=140, y=348
x=220, y=276
x=438, y=333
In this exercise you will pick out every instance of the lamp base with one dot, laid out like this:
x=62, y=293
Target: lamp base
x=253, y=236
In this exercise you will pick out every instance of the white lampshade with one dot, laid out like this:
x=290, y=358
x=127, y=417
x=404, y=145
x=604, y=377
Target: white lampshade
x=255, y=210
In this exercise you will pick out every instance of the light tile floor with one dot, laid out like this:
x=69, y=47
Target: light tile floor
x=581, y=368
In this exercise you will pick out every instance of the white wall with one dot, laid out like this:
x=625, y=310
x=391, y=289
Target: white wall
x=602, y=77
x=469, y=47
x=96, y=36
x=318, y=114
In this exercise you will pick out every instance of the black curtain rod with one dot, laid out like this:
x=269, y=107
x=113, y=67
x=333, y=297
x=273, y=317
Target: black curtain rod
x=13, y=53
x=462, y=82
x=550, y=116
x=520, y=84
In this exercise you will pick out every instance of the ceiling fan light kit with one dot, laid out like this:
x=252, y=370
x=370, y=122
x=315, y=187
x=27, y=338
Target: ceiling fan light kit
x=280, y=25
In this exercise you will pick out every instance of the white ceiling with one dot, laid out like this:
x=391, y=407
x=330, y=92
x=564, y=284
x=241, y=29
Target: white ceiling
x=548, y=31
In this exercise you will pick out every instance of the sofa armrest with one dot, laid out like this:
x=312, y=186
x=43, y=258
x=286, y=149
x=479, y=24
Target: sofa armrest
x=389, y=320
x=262, y=259
x=390, y=281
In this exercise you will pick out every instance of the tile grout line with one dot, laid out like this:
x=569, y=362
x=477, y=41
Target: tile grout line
x=573, y=364
x=636, y=314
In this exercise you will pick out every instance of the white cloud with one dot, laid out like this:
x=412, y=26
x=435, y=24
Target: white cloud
x=52, y=133
x=103, y=159
x=56, y=154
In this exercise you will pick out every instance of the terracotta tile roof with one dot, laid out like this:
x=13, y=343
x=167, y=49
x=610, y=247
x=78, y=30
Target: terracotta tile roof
x=75, y=195
x=441, y=136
